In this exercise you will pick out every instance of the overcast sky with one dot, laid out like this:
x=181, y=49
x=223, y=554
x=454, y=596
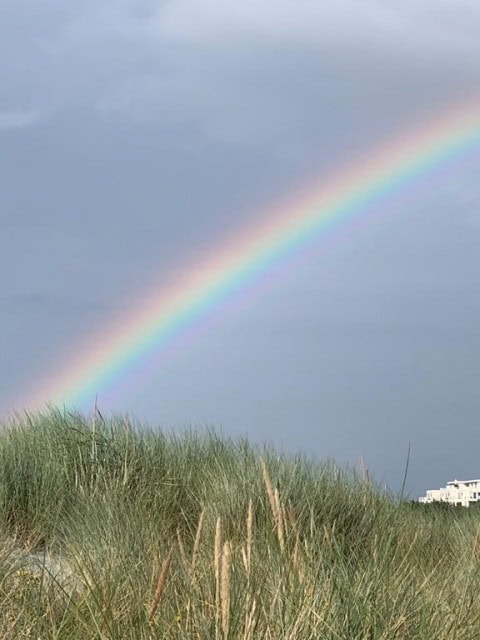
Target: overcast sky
x=138, y=135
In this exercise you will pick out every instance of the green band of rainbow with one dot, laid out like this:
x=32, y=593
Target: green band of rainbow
x=285, y=230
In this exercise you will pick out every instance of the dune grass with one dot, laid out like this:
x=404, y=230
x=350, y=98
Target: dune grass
x=111, y=531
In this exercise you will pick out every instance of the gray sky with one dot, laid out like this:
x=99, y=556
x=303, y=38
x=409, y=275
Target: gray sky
x=136, y=136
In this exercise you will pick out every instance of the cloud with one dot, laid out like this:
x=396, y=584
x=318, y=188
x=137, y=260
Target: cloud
x=18, y=119
x=431, y=26
x=242, y=72
x=239, y=72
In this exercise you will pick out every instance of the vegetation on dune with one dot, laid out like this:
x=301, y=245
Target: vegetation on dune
x=111, y=531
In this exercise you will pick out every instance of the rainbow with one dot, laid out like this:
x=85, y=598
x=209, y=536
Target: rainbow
x=173, y=310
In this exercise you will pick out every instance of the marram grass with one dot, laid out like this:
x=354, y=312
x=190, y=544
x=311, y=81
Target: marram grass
x=113, y=531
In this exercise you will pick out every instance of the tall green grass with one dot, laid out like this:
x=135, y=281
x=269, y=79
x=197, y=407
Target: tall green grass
x=160, y=535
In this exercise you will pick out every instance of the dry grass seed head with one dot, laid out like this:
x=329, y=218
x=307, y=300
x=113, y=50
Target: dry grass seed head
x=217, y=561
x=196, y=544
x=280, y=520
x=249, y=535
x=161, y=585
x=183, y=555
x=225, y=587
x=269, y=488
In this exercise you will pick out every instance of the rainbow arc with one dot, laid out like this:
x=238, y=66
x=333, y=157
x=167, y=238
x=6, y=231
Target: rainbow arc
x=284, y=230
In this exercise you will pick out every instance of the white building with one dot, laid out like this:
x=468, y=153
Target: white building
x=457, y=492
